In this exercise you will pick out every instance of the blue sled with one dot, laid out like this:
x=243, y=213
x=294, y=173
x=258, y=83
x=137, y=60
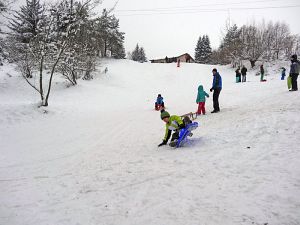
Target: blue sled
x=184, y=133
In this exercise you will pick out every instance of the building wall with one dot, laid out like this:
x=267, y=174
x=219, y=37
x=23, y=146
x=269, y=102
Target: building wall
x=173, y=59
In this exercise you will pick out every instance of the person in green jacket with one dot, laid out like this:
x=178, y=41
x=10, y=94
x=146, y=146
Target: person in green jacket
x=201, y=100
x=173, y=123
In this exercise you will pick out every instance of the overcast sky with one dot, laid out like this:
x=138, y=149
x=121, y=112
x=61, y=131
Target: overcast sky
x=171, y=27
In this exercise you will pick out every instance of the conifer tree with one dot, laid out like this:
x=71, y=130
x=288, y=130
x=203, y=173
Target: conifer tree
x=25, y=24
x=135, y=53
x=142, y=55
x=203, y=50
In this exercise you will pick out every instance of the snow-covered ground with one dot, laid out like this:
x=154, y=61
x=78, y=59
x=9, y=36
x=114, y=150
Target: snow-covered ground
x=91, y=157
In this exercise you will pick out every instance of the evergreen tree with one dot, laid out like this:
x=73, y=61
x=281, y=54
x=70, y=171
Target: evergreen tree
x=203, y=50
x=198, y=50
x=111, y=39
x=142, y=55
x=138, y=54
x=231, y=46
x=25, y=24
x=135, y=53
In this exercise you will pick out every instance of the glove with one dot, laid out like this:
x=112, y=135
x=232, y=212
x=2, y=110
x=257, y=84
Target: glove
x=211, y=90
x=163, y=143
x=181, y=126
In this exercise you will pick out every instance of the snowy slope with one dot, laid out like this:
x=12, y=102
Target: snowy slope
x=92, y=157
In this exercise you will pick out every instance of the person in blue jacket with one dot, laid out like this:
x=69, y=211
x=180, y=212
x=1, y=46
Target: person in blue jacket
x=159, y=102
x=283, y=73
x=216, y=87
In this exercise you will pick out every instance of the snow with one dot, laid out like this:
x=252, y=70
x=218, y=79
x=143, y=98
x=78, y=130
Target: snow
x=91, y=157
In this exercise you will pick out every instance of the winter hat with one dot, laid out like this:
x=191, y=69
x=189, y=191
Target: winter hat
x=294, y=57
x=159, y=95
x=200, y=88
x=214, y=70
x=164, y=114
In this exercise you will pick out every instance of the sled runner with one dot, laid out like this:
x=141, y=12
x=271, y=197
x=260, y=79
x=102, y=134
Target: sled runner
x=191, y=115
x=183, y=135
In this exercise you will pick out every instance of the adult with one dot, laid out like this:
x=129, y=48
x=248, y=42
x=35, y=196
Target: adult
x=244, y=73
x=294, y=72
x=216, y=87
x=262, y=73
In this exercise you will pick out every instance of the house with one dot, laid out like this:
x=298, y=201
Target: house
x=183, y=58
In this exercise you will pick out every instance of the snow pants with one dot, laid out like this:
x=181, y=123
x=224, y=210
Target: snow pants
x=201, y=108
x=294, y=81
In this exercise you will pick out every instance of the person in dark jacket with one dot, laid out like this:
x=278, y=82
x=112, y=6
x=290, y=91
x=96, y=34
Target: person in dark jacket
x=262, y=73
x=238, y=75
x=216, y=87
x=244, y=73
x=294, y=72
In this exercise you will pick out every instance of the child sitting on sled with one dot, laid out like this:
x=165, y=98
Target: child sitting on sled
x=173, y=123
x=159, y=104
x=201, y=100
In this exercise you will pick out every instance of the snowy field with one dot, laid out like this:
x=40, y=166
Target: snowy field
x=92, y=158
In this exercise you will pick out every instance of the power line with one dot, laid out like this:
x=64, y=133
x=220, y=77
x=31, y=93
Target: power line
x=195, y=11
x=194, y=6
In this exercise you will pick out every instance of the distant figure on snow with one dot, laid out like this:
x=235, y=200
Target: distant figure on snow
x=178, y=63
x=283, y=73
x=106, y=70
x=238, y=75
x=262, y=73
x=216, y=87
x=159, y=104
x=201, y=100
x=294, y=72
x=244, y=73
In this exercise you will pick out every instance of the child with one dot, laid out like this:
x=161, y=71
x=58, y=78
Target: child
x=283, y=73
x=173, y=123
x=159, y=102
x=238, y=75
x=201, y=100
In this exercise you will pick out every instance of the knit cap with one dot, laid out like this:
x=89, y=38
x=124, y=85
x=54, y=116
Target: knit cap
x=164, y=114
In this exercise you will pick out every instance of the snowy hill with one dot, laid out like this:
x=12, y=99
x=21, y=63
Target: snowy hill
x=92, y=157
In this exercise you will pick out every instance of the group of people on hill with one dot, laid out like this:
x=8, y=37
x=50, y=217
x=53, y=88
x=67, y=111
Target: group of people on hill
x=240, y=76
x=291, y=80
x=175, y=123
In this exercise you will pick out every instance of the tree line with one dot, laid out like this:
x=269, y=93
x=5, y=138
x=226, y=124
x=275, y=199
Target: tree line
x=65, y=38
x=253, y=42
